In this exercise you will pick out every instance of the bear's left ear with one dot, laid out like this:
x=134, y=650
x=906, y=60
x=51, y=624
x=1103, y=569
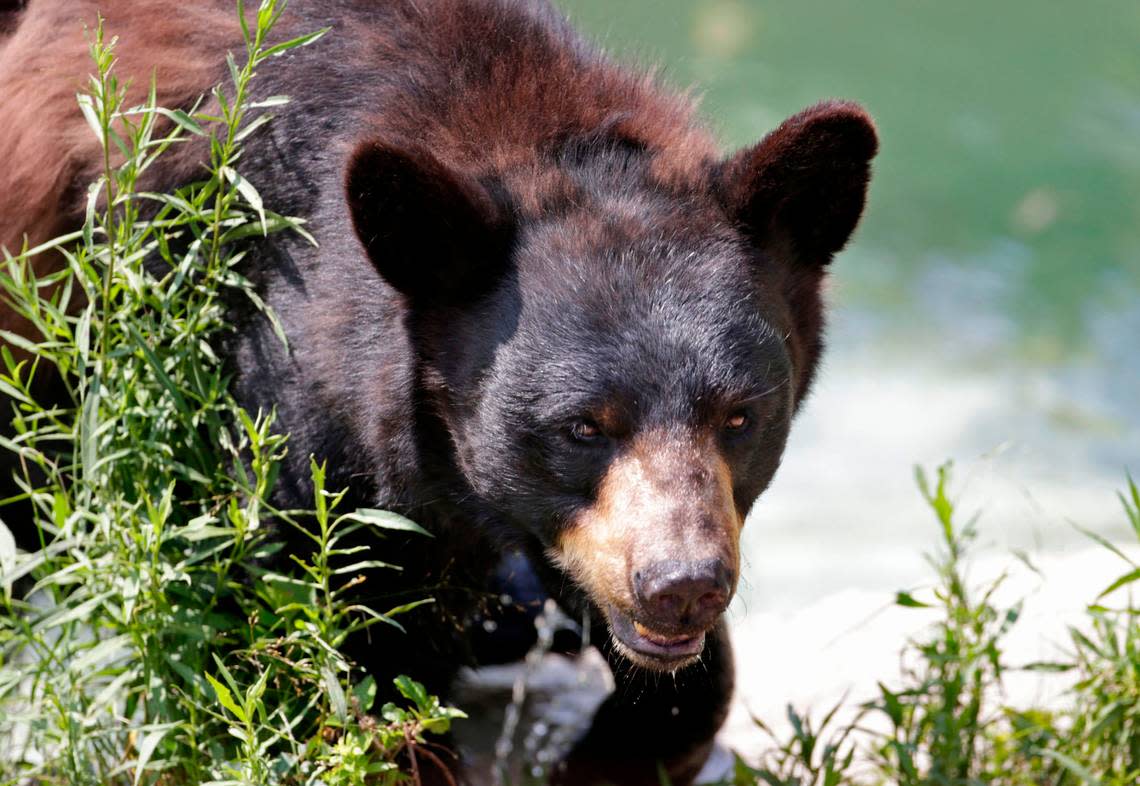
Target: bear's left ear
x=435, y=234
x=802, y=188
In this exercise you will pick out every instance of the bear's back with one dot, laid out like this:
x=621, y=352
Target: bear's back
x=496, y=89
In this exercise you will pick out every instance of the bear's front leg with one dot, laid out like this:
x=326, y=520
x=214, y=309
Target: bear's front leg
x=655, y=722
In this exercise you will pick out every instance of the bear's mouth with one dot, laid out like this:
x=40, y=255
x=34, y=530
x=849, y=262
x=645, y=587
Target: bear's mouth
x=653, y=649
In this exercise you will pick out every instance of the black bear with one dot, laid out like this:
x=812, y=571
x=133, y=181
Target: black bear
x=546, y=313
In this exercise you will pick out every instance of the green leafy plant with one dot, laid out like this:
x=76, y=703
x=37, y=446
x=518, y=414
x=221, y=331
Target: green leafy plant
x=134, y=646
x=941, y=721
x=1101, y=744
x=814, y=755
x=946, y=723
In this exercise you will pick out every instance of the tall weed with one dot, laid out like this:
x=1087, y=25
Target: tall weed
x=946, y=722
x=134, y=648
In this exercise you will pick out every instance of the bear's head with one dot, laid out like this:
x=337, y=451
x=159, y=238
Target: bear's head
x=618, y=371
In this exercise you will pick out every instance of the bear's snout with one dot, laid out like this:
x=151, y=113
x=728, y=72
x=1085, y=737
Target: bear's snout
x=658, y=550
x=680, y=595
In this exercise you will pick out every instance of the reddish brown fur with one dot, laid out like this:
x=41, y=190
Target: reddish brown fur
x=504, y=118
x=48, y=150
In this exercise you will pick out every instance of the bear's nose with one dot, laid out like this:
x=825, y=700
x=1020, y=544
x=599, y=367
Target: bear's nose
x=677, y=594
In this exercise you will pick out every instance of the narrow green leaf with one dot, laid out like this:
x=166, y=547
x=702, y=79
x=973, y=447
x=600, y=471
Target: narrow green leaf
x=252, y=127
x=146, y=748
x=299, y=41
x=335, y=693
x=1069, y=764
x=249, y=192
x=1130, y=577
x=909, y=601
x=406, y=607
x=1048, y=667
x=364, y=565
x=87, y=107
x=1103, y=541
x=182, y=120
x=271, y=101
x=384, y=519
x=226, y=699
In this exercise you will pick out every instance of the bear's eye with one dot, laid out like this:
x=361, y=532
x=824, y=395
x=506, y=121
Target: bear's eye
x=585, y=430
x=737, y=421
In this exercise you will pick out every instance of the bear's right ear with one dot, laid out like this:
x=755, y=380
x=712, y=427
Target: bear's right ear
x=802, y=188
x=434, y=234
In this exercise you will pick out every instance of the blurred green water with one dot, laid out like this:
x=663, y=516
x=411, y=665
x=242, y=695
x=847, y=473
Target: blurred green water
x=1010, y=142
